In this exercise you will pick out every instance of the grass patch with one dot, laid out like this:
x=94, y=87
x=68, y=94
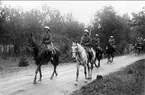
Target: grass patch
x=23, y=62
x=128, y=81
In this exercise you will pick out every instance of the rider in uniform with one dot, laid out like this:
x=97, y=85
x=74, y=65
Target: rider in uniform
x=86, y=41
x=112, y=42
x=47, y=41
x=96, y=43
x=139, y=42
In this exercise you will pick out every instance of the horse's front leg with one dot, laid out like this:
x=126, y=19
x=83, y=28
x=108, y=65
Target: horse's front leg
x=53, y=72
x=38, y=67
x=112, y=58
x=108, y=58
x=85, y=71
x=77, y=73
x=88, y=70
x=98, y=62
x=95, y=62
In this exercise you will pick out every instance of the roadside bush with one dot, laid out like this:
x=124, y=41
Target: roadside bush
x=23, y=62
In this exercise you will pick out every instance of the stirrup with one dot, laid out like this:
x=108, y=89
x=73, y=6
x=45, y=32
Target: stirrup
x=51, y=58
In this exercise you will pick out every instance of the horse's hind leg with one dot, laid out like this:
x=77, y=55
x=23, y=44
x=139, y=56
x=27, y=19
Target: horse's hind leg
x=88, y=71
x=40, y=73
x=53, y=72
x=85, y=72
x=91, y=70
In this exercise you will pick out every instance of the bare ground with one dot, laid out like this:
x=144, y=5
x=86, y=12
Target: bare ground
x=16, y=80
x=128, y=81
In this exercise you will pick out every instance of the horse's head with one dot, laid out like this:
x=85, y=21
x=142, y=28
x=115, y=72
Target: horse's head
x=74, y=49
x=32, y=45
x=31, y=41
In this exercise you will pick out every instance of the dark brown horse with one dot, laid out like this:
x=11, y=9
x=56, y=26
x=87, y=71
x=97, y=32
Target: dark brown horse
x=42, y=57
x=110, y=50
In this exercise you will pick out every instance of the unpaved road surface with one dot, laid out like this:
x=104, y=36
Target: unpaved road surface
x=63, y=84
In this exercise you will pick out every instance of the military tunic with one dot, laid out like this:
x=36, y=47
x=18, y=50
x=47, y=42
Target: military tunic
x=47, y=40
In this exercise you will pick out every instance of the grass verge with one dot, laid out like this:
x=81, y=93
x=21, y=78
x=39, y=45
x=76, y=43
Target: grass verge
x=128, y=81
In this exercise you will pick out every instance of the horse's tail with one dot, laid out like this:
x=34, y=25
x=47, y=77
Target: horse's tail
x=58, y=53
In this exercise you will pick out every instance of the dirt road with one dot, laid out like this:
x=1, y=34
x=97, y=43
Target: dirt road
x=63, y=84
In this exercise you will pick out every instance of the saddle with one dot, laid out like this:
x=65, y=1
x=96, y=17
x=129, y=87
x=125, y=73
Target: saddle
x=110, y=48
x=89, y=53
x=139, y=45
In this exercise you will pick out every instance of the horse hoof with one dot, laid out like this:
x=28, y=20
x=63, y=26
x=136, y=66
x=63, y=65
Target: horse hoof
x=34, y=82
x=51, y=78
x=76, y=83
x=85, y=81
x=89, y=78
x=97, y=66
x=39, y=79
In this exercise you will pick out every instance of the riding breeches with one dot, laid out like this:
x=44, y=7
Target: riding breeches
x=50, y=47
x=89, y=51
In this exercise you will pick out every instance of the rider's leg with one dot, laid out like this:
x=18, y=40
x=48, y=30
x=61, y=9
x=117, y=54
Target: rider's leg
x=50, y=49
x=91, y=54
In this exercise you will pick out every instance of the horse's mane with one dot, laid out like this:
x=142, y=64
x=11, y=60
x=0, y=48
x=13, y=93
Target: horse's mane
x=80, y=46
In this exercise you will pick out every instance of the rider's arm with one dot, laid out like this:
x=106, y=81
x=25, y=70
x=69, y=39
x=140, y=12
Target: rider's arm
x=47, y=39
x=89, y=42
x=82, y=42
x=43, y=38
x=33, y=39
x=98, y=41
x=113, y=41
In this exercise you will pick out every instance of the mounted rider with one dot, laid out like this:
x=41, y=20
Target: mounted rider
x=112, y=41
x=47, y=41
x=139, y=42
x=96, y=43
x=143, y=41
x=86, y=41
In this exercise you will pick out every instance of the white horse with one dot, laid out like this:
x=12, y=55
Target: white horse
x=81, y=56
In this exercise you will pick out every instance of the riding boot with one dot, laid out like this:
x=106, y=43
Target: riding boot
x=52, y=55
x=90, y=55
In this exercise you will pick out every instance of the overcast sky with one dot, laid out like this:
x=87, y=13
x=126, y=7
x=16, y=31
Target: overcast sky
x=82, y=10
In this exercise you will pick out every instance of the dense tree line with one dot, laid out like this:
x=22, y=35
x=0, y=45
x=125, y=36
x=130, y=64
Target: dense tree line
x=16, y=23
x=108, y=22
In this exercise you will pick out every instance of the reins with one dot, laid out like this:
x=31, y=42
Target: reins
x=78, y=54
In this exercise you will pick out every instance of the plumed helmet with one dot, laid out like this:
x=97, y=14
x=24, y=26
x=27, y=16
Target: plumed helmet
x=86, y=31
x=96, y=35
x=111, y=36
x=47, y=27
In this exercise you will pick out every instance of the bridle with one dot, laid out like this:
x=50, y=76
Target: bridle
x=78, y=53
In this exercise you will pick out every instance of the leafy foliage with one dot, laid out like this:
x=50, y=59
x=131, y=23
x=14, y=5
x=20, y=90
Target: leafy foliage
x=16, y=23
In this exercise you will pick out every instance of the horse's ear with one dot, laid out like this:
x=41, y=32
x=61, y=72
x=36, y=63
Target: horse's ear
x=31, y=34
x=27, y=35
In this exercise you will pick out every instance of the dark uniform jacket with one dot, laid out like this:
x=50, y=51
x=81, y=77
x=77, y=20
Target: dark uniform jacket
x=47, y=38
x=86, y=41
x=112, y=41
x=96, y=42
